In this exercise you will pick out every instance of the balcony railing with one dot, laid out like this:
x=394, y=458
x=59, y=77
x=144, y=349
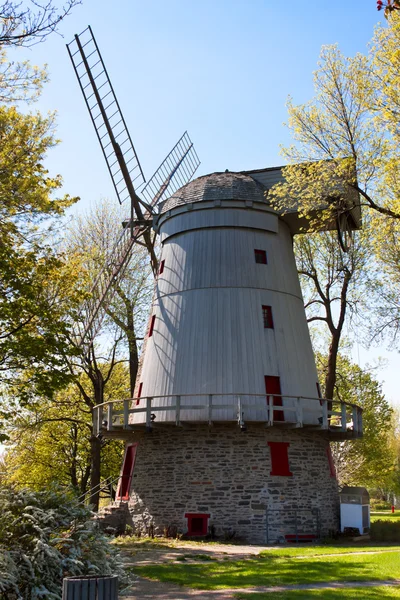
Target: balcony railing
x=117, y=418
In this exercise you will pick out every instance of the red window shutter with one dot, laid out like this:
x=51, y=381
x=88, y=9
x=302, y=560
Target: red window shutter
x=267, y=317
x=273, y=386
x=124, y=485
x=153, y=320
x=260, y=256
x=332, y=467
x=161, y=269
x=280, y=458
x=139, y=393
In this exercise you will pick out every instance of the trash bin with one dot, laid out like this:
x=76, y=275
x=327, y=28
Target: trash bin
x=90, y=588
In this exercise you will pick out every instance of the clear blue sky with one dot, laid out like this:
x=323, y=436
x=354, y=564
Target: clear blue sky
x=222, y=70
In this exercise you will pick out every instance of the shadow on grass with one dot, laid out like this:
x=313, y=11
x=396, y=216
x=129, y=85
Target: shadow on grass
x=270, y=571
x=372, y=593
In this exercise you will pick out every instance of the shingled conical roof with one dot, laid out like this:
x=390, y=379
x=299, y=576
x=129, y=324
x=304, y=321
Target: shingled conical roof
x=217, y=186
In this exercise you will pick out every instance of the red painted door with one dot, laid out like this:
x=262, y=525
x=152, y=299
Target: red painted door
x=273, y=386
x=127, y=472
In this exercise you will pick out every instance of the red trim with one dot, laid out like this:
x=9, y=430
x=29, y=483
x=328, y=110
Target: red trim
x=124, y=485
x=280, y=459
x=195, y=526
x=153, y=320
x=161, y=269
x=273, y=386
x=331, y=462
x=267, y=317
x=260, y=256
x=139, y=393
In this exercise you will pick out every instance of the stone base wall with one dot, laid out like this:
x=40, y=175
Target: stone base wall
x=226, y=473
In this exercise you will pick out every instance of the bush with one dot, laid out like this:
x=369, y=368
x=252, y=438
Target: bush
x=385, y=531
x=45, y=536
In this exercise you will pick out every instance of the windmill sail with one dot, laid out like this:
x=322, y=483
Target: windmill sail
x=106, y=115
x=176, y=170
x=126, y=173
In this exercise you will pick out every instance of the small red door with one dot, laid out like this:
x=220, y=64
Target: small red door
x=125, y=480
x=273, y=386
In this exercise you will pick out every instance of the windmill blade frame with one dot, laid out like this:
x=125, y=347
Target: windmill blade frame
x=106, y=115
x=176, y=170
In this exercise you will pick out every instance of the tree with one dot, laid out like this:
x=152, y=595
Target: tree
x=348, y=133
x=371, y=460
x=50, y=441
x=25, y=24
x=35, y=281
x=334, y=285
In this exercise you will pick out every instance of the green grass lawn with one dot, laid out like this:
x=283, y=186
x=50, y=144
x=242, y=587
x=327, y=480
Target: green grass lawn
x=280, y=568
x=373, y=593
x=385, y=515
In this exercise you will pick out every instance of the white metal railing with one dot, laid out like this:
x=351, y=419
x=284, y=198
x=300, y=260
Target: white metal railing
x=272, y=409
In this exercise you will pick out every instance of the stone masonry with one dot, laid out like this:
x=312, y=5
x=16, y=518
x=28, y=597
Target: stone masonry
x=225, y=473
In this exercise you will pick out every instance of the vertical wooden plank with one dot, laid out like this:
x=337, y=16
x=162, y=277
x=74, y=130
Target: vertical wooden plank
x=324, y=414
x=210, y=407
x=355, y=419
x=126, y=414
x=92, y=589
x=299, y=412
x=343, y=416
x=148, y=412
x=100, y=589
x=109, y=416
x=84, y=591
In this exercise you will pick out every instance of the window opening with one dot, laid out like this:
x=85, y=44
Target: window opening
x=272, y=387
x=267, y=317
x=260, y=256
x=197, y=523
x=153, y=319
x=280, y=459
x=161, y=269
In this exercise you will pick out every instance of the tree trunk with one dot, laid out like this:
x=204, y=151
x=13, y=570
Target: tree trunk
x=95, y=473
x=330, y=379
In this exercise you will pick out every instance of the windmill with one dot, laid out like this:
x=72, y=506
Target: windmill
x=126, y=173
x=227, y=431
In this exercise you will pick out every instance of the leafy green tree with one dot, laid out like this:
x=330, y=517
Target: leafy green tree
x=50, y=440
x=334, y=285
x=371, y=460
x=35, y=280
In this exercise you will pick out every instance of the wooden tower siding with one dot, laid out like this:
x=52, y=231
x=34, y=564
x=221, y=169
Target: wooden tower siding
x=208, y=335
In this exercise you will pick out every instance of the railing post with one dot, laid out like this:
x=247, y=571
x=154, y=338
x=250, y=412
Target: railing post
x=355, y=419
x=126, y=414
x=360, y=422
x=343, y=410
x=148, y=412
x=270, y=410
x=299, y=412
x=109, y=416
x=325, y=414
x=178, y=411
x=210, y=409
x=99, y=418
x=240, y=416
